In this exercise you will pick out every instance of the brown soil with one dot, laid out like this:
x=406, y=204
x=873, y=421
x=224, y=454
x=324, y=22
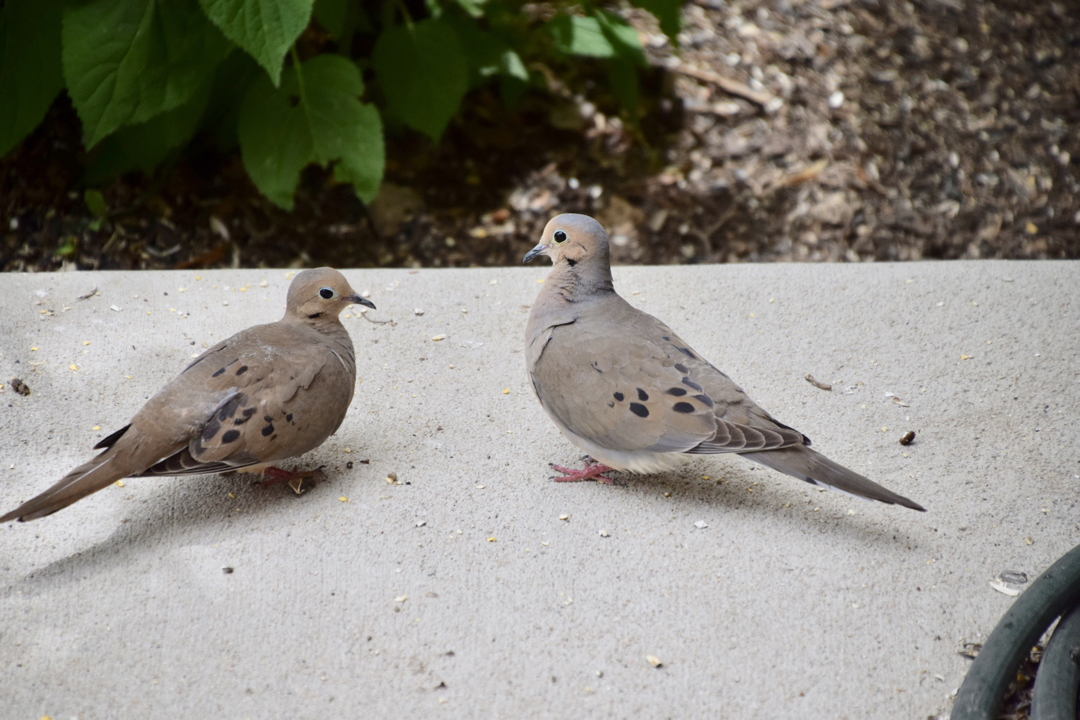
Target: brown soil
x=783, y=130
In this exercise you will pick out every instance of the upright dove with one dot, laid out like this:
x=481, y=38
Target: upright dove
x=266, y=394
x=623, y=387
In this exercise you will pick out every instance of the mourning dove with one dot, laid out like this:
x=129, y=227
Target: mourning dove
x=267, y=393
x=622, y=386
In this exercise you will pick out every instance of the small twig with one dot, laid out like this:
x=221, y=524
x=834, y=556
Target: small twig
x=376, y=322
x=732, y=87
x=819, y=385
x=88, y=295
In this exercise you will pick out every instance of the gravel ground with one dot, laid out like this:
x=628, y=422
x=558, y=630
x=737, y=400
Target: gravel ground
x=778, y=131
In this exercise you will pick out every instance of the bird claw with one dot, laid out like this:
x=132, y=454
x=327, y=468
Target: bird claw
x=294, y=479
x=589, y=472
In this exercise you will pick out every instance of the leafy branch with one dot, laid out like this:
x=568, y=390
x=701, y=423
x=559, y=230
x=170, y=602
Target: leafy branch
x=145, y=77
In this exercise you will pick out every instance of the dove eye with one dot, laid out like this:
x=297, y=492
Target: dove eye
x=559, y=236
x=326, y=293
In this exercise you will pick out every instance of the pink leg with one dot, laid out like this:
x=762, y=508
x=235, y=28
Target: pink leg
x=295, y=479
x=591, y=471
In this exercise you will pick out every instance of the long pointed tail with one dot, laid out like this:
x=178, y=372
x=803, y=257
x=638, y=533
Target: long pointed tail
x=813, y=467
x=77, y=484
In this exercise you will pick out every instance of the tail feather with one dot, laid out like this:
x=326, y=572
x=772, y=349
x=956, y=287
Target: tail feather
x=813, y=467
x=77, y=484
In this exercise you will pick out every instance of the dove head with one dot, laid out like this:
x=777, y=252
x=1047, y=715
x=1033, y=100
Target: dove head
x=572, y=239
x=578, y=248
x=319, y=295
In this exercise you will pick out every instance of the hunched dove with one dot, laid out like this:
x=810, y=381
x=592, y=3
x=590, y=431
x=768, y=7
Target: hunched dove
x=266, y=394
x=622, y=386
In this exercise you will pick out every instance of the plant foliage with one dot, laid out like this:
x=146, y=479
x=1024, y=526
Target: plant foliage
x=146, y=76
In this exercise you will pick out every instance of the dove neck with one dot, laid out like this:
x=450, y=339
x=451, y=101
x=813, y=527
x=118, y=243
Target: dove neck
x=577, y=281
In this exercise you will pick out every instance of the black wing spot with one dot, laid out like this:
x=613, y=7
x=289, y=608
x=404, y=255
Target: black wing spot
x=691, y=384
x=639, y=410
x=676, y=391
x=666, y=337
x=268, y=429
x=688, y=353
x=268, y=419
x=241, y=370
x=642, y=395
x=683, y=407
x=596, y=367
x=705, y=399
x=288, y=418
x=610, y=404
x=618, y=396
x=250, y=411
x=219, y=372
x=681, y=368
x=230, y=436
x=210, y=430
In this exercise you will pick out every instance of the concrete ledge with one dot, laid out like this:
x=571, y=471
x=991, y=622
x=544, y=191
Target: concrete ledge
x=460, y=592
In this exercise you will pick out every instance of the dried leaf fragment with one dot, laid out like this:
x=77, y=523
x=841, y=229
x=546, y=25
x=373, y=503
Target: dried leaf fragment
x=654, y=661
x=819, y=385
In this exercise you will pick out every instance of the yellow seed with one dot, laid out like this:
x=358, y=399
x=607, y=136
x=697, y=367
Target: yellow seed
x=96, y=427
x=73, y=366
x=33, y=349
x=653, y=660
x=86, y=342
x=343, y=499
x=506, y=391
x=119, y=483
x=491, y=539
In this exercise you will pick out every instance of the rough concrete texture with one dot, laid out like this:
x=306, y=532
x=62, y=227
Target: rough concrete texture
x=475, y=586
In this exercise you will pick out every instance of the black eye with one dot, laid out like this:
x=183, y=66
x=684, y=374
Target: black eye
x=559, y=236
x=326, y=293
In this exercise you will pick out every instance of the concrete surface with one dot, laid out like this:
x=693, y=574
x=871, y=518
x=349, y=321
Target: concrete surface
x=460, y=592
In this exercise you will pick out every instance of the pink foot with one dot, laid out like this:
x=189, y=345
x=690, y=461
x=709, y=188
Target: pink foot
x=295, y=479
x=591, y=471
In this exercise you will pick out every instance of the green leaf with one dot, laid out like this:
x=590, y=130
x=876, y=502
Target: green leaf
x=513, y=78
x=145, y=145
x=331, y=14
x=423, y=73
x=126, y=61
x=95, y=202
x=482, y=49
x=30, y=75
x=602, y=36
x=667, y=12
x=511, y=66
x=475, y=8
x=315, y=116
x=580, y=36
x=623, y=38
x=265, y=29
x=232, y=79
x=70, y=246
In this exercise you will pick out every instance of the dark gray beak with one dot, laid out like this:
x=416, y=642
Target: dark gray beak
x=357, y=300
x=538, y=250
